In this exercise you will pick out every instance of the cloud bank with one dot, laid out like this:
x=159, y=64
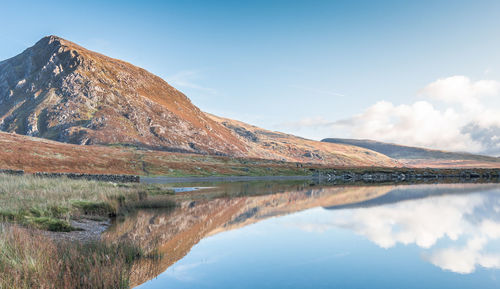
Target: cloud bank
x=454, y=113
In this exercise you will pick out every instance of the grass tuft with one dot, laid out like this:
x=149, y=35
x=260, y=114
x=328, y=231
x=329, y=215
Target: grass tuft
x=49, y=224
x=95, y=208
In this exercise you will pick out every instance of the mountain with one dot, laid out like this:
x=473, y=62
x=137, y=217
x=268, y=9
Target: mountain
x=415, y=156
x=61, y=91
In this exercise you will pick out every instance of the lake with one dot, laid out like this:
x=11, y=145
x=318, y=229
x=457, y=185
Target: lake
x=301, y=235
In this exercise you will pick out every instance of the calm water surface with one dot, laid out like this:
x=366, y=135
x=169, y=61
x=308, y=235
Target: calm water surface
x=420, y=236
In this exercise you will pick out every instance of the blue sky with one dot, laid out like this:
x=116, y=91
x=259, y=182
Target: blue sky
x=313, y=68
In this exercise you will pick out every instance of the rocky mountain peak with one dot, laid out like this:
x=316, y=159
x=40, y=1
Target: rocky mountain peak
x=51, y=40
x=35, y=68
x=59, y=90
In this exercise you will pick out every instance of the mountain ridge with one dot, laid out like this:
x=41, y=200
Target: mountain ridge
x=61, y=91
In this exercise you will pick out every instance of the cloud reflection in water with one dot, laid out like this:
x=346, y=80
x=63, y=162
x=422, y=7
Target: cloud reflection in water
x=457, y=232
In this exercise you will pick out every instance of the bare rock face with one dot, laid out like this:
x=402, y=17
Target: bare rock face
x=61, y=91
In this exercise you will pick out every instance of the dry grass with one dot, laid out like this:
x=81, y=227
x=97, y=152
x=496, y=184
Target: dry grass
x=18, y=192
x=30, y=260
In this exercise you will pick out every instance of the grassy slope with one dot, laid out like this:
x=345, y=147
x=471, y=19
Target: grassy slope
x=40, y=155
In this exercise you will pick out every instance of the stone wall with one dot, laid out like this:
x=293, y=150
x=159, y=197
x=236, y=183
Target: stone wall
x=94, y=177
x=12, y=172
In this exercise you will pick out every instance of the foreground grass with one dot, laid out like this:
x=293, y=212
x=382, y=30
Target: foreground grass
x=50, y=203
x=30, y=259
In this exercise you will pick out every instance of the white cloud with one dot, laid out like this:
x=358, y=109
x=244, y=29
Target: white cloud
x=460, y=89
x=418, y=124
x=469, y=121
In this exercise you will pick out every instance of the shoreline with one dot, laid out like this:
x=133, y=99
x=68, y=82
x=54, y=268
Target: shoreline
x=194, y=179
x=348, y=175
x=88, y=230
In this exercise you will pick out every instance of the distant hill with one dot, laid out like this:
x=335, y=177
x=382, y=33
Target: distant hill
x=419, y=156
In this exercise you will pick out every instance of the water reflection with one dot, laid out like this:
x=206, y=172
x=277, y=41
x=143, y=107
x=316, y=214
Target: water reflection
x=466, y=224
x=456, y=227
x=228, y=206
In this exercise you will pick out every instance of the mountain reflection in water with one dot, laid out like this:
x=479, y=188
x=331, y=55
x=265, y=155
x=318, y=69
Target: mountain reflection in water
x=456, y=225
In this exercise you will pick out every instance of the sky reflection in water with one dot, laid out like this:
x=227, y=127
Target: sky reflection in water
x=445, y=241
